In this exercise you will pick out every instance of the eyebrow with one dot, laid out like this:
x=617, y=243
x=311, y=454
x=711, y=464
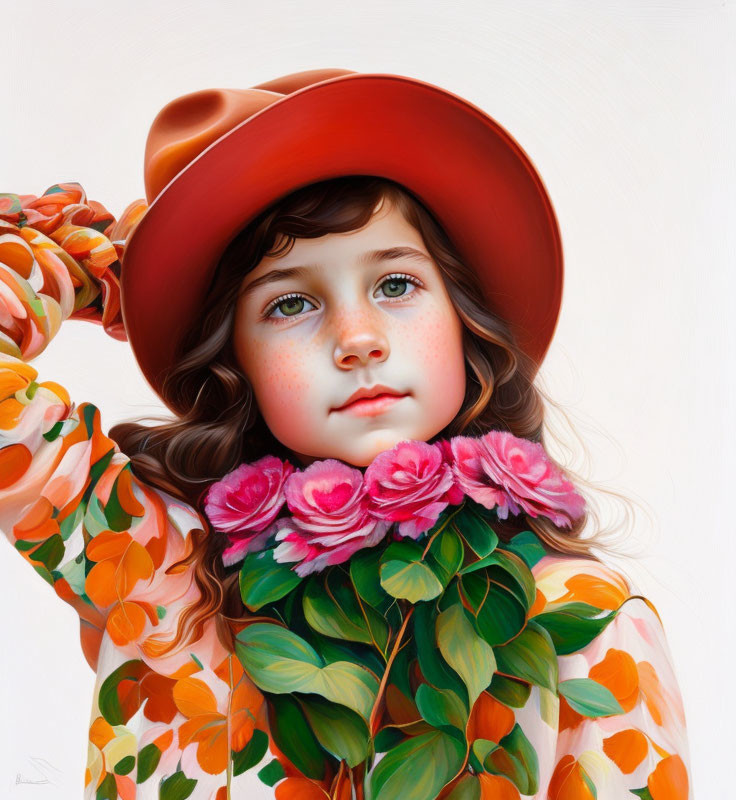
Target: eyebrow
x=370, y=257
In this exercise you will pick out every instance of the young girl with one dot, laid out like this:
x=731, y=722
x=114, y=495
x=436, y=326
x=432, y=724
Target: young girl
x=349, y=280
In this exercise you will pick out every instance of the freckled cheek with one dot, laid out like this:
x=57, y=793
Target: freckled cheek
x=282, y=378
x=435, y=341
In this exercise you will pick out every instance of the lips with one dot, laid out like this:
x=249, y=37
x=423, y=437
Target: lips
x=378, y=391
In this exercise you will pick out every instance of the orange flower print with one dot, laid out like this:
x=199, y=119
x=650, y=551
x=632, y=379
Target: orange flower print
x=669, y=780
x=627, y=749
x=594, y=590
x=111, y=760
x=618, y=672
x=570, y=781
x=208, y=718
x=120, y=563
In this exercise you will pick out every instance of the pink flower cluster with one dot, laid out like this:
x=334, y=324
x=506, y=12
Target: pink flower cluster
x=337, y=510
x=245, y=503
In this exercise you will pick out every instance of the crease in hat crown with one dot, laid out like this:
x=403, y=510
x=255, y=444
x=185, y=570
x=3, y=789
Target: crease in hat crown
x=189, y=124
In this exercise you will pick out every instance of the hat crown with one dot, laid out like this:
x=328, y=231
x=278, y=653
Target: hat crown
x=189, y=124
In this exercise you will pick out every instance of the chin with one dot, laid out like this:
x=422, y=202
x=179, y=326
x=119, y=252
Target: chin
x=365, y=448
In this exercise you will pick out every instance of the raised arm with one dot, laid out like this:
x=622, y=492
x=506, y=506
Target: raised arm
x=58, y=260
x=639, y=749
x=108, y=544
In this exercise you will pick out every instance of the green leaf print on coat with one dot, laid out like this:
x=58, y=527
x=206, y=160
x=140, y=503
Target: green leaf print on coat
x=589, y=698
x=573, y=627
x=251, y=754
x=177, y=787
x=148, y=759
x=129, y=673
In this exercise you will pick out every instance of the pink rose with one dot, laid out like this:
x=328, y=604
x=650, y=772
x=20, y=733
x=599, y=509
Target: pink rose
x=411, y=484
x=245, y=503
x=470, y=475
x=330, y=518
x=516, y=475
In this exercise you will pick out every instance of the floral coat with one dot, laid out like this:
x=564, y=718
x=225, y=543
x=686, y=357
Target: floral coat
x=187, y=724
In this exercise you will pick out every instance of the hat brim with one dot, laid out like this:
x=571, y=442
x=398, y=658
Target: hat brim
x=467, y=169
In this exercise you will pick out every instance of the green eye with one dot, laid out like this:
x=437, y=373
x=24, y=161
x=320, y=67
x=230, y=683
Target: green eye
x=288, y=306
x=291, y=306
x=394, y=287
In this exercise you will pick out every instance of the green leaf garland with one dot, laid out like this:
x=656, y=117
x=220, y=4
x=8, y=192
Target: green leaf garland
x=375, y=664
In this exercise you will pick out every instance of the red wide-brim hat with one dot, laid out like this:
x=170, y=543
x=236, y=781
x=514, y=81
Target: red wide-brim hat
x=217, y=158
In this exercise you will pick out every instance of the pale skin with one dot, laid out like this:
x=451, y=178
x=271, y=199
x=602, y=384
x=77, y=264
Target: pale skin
x=352, y=316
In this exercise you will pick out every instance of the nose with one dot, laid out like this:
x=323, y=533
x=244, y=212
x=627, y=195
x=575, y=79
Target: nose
x=361, y=342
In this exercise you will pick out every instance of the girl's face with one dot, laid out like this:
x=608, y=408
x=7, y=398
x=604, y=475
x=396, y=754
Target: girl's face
x=359, y=312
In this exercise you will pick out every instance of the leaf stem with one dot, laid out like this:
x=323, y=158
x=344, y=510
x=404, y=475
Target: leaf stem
x=646, y=600
x=373, y=723
x=367, y=623
x=448, y=519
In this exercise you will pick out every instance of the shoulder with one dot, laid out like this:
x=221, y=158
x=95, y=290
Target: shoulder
x=564, y=578
x=568, y=583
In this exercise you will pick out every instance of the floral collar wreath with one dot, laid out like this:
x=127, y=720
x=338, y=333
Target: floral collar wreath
x=336, y=510
x=408, y=645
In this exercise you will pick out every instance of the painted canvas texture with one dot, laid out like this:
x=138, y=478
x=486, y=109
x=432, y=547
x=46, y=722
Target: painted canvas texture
x=567, y=708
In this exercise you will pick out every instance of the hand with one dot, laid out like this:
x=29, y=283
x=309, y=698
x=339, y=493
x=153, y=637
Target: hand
x=60, y=258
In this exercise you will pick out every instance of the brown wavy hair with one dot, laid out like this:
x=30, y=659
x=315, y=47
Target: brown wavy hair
x=220, y=426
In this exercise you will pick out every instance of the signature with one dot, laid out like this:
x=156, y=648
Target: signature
x=43, y=768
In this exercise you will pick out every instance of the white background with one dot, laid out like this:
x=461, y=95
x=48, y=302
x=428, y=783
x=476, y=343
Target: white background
x=626, y=108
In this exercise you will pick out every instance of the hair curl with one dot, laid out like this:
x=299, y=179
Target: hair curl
x=220, y=425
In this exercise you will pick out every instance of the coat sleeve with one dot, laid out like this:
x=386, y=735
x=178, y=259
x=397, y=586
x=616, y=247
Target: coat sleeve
x=63, y=482
x=108, y=543
x=640, y=750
